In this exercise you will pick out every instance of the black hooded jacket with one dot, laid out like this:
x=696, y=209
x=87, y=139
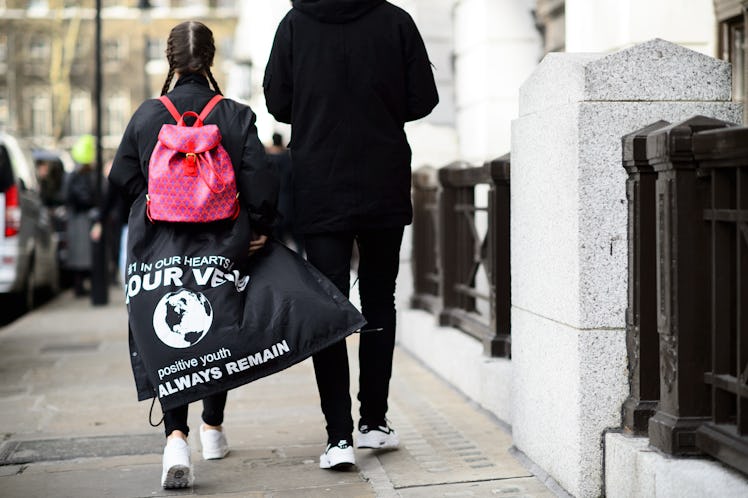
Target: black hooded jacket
x=347, y=75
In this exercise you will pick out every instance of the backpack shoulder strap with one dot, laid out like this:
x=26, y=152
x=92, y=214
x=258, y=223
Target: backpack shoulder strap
x=209, y=106
x=170, y=107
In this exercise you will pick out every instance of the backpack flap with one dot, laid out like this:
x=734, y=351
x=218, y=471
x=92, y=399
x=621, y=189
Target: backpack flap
x=186, y=139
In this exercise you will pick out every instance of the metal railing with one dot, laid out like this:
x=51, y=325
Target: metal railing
x=425, y=248
x=641, y=314
x=687, y=333
x=461, y=269
x=723, y=160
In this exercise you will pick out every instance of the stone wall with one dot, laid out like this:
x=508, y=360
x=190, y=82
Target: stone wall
x=568, y=239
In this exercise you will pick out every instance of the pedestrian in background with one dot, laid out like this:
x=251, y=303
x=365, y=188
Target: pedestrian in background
x=190, y=50
x=111, y=223
x=80, y=201
x=51, y=181
x=347, y=75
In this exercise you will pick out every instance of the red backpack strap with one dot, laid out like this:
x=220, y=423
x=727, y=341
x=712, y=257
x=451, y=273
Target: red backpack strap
x=170, y=107
x=209, y=106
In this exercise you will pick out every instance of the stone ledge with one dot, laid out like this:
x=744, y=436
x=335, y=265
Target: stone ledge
x=633, y=468
x=654, y=71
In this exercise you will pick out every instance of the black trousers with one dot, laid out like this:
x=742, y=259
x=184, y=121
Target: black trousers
x=379, y=258
x=176, y=418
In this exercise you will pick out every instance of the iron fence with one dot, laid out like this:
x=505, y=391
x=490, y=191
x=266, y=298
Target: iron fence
x=723, y=161
x=687, y=336
x=425, y=249
x=641, y=313
x=461, y=269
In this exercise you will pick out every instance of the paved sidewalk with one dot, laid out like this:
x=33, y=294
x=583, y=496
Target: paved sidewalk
x=70, y=426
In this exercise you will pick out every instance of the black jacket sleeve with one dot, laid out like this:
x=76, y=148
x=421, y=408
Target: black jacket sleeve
x=257, y=182
x=116, y=205
x=126, y=173
x=422, y=95
x=278, y=80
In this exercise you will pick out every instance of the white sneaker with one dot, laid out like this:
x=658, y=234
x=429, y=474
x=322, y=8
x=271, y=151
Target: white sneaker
x=213, y=443
x=177, y=471
x=337, y=457
x=380, y=437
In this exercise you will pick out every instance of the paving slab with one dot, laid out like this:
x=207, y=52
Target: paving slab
x=249, y=474
x=512, y=488
x=444, y=438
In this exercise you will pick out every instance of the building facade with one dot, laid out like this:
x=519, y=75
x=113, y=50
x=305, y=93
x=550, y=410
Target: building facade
x=47, y=57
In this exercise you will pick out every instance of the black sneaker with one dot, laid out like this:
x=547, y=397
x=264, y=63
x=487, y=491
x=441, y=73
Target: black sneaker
x=377, y=437
x=337, y=457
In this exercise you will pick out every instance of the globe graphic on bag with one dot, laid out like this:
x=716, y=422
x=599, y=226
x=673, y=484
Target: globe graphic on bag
x=182, y=318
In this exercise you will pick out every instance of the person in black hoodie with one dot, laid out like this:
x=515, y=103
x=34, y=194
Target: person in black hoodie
x=347, y=75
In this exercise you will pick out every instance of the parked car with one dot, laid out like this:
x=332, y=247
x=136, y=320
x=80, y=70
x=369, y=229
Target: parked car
x=28, y=261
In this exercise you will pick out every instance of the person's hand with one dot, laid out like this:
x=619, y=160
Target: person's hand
x=258, y=241
x=95, y=232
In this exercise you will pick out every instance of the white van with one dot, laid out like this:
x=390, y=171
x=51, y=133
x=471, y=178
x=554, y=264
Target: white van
x=28, y=260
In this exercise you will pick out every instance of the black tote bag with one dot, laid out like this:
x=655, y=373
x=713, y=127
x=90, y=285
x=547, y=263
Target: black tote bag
x=204, y=317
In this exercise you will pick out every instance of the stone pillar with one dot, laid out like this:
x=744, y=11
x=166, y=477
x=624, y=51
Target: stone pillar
x=569, y=239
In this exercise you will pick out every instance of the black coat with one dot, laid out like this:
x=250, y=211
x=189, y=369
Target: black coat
x=347, y=75
x=81, y=190
x=256, y=182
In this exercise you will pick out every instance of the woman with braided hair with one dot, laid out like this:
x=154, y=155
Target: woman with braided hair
x=190, y=50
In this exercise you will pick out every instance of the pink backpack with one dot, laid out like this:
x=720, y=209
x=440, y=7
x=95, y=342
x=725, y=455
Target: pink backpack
x=190, y=175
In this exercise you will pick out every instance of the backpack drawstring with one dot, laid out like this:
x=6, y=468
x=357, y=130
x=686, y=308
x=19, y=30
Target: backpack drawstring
x=209, y=163
x=150, y=415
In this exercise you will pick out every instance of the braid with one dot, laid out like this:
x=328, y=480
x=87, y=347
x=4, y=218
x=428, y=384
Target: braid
x=213, y=81
x=167, y=83
x=190, y=50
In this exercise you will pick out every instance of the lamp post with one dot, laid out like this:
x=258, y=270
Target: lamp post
x=145, y=7
x=99, y=273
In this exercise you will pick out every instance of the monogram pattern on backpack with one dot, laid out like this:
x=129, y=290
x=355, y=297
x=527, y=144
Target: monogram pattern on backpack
x=190, y=174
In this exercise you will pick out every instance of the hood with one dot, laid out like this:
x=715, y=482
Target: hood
x=335, y=11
